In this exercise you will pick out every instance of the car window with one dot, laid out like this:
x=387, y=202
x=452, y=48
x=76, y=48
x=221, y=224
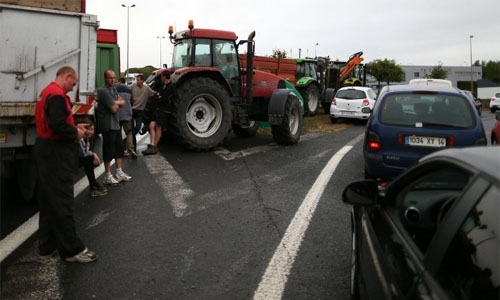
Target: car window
x=428, y=110
x=350, y=94
x=470, y=269
x=420, y=204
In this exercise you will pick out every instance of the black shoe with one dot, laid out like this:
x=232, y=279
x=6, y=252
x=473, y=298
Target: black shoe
x=151, y=150
x=95, y=192
x=132, y=152
x=46, y=256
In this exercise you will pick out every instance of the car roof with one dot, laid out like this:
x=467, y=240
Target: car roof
x=363, y=88
x=430, y=81
x=411, y=88
x=485, y=158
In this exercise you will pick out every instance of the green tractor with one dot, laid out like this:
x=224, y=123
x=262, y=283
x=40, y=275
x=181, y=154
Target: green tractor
x=308, y=84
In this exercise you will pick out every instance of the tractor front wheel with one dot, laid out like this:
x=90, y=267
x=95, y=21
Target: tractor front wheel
x=311, y=96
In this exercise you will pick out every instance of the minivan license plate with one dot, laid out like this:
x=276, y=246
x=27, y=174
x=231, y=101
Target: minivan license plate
x=427, y=141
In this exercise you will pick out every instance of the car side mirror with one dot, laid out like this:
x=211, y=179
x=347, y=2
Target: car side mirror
x=362, y=193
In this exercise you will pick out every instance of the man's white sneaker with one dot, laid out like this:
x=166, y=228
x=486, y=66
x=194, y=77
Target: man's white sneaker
x=123, y=177
x=110, y=180
x=86, y=256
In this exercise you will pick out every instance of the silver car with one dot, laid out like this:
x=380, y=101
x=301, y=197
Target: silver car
x=353, y=102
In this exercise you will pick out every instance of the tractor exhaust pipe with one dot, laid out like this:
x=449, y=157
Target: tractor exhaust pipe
x=250, y=55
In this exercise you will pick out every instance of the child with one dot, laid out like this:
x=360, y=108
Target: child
x=89, y=160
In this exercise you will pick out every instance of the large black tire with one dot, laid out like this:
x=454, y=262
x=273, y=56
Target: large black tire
x=329, y=94
x=246, y=131
x=311, y=97
x=288, y=133
x=201, y=115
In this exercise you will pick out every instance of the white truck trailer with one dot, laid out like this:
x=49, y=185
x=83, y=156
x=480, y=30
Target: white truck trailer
x=34, y=43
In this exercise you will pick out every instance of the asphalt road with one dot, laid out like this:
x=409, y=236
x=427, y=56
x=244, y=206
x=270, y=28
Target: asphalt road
x=226, y=224
x=250, y=220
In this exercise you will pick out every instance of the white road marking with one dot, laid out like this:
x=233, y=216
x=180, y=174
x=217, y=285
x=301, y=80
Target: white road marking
x=273, y=282
x=174, y=189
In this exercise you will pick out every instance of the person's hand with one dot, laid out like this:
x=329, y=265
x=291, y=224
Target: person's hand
x=120, y=101
x=97, y=161
x=81, y=129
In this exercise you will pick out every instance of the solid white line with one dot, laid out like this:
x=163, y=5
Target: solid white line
x=17, y=237
x=273, y=282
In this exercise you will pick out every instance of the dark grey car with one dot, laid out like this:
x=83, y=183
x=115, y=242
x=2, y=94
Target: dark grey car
x=432, y=233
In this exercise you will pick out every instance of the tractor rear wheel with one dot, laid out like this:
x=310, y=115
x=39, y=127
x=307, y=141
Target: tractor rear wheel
x=288, y=133
x=202, y=115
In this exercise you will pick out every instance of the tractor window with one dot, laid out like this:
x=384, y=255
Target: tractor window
x=226, y=60
x=202, y=53
x=311, y=70
x=182, y=54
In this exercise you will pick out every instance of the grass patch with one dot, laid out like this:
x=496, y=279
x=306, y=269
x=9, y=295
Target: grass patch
x=318, y=123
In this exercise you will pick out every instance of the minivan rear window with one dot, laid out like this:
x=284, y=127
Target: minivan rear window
x=427, y=110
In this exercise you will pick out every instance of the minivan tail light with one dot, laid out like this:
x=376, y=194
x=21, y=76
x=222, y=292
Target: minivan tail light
x=451, y=141
x=374, y=145
x=373, y=141
x=401, y=139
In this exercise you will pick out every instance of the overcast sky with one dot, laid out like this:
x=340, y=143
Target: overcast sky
x=425, y=32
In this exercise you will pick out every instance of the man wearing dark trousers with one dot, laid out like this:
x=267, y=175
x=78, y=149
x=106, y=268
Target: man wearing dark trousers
x=56, y=158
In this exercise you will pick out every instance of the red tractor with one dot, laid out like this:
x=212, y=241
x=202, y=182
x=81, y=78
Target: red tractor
x=216, y=94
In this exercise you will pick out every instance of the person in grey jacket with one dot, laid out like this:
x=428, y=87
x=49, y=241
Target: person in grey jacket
x=125, y=117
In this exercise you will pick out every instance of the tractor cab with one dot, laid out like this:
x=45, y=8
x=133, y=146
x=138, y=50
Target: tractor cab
x=207, y=50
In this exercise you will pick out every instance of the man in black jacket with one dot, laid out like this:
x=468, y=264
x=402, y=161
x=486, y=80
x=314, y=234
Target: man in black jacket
x=160, y=110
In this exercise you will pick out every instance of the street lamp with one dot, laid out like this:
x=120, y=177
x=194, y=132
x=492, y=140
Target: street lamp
x=315, y=56
x=128, y=23
x=160, y=38
x=471, y=84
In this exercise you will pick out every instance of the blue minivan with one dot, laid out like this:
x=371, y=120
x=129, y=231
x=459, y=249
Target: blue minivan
x=411, y=121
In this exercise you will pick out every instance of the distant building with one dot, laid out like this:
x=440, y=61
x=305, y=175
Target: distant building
x=455, y=74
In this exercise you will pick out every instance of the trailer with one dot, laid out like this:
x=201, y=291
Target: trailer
x=36, y=42
x=300, y=72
